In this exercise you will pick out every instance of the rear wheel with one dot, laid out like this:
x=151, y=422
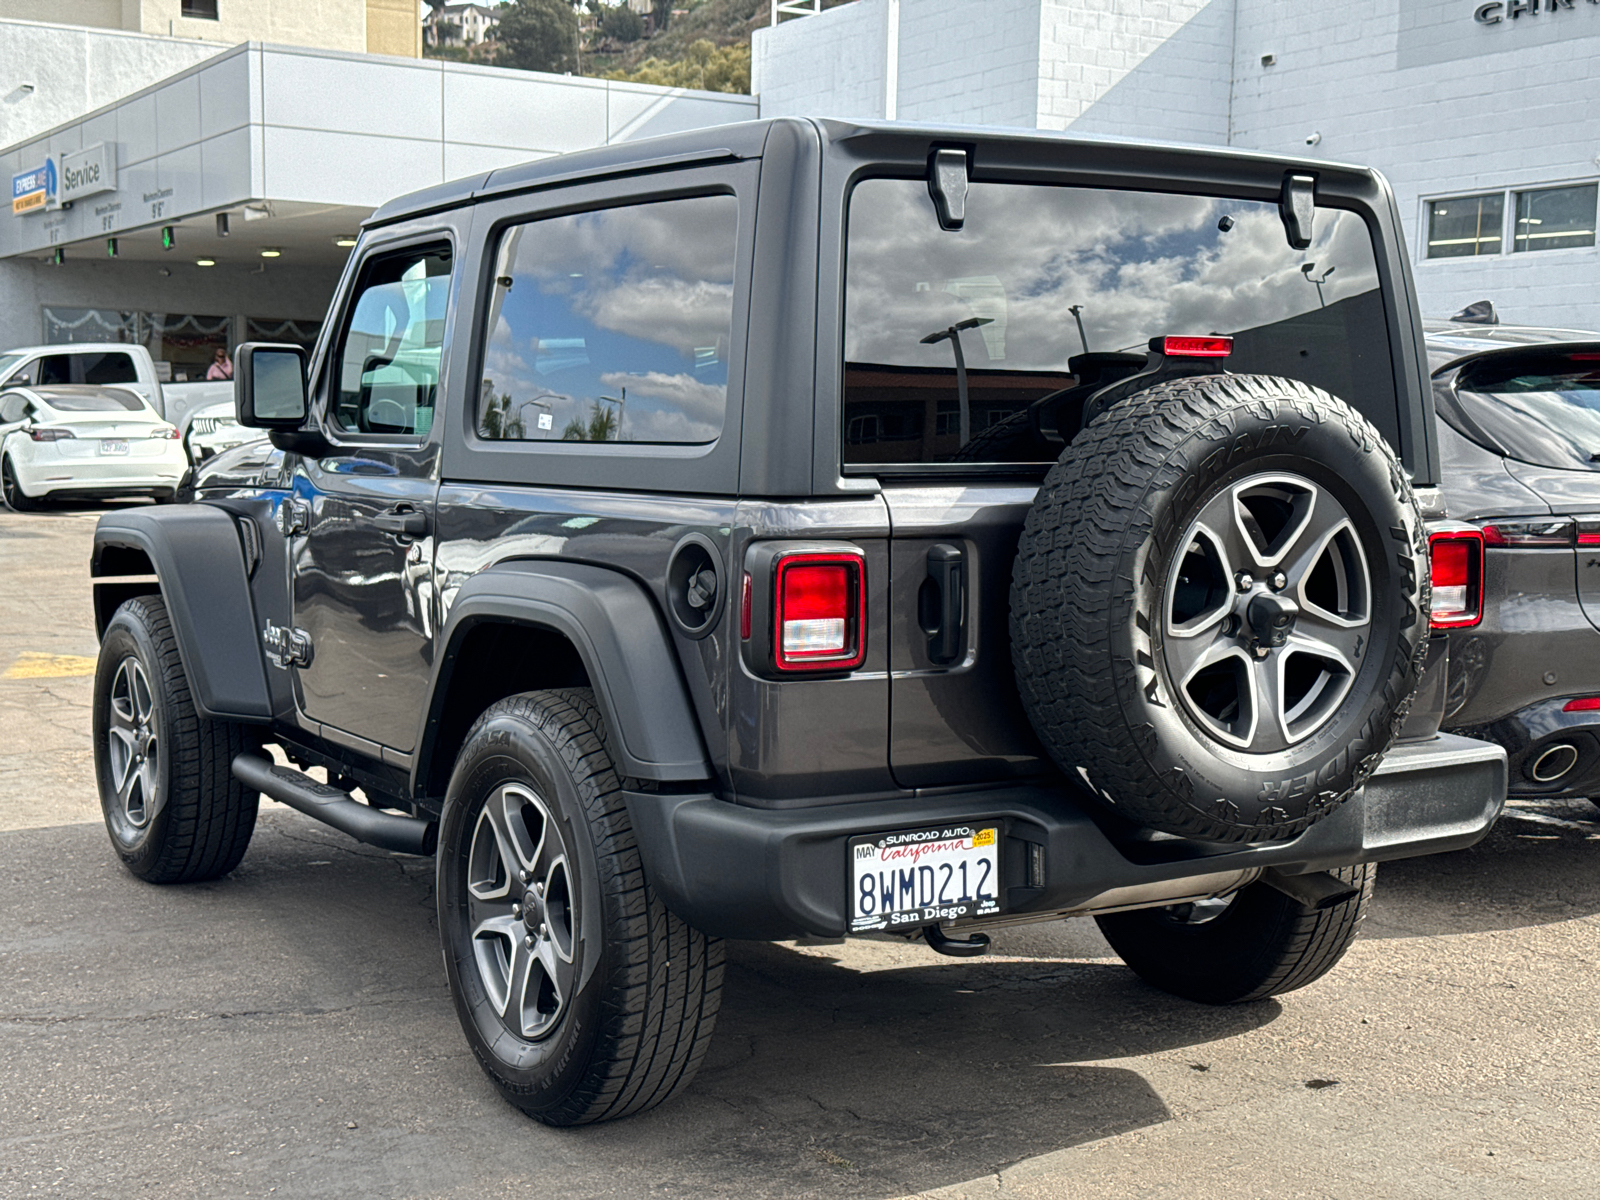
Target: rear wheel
x=16, y=499
x=1256, y=943
x=173, y=809
x=582, y=997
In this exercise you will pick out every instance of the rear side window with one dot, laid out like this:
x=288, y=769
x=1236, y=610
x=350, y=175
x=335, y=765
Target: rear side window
x=612, y=325
x=1539, y=406
x=389, y=349
x=108, y=367
x=1048, y=293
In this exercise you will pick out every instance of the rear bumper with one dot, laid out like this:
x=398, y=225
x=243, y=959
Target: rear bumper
x=1550, y=752
x=735, y=871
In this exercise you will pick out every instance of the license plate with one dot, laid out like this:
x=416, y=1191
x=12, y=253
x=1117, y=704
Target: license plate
x=113, y=445
x=922, y=876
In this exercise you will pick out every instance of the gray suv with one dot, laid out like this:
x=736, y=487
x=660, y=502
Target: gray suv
x=806, y=528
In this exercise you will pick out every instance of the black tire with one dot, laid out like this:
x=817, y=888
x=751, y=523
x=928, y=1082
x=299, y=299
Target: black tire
x=1108, y=551
x=182, y=817
x=621, y=1023
x=1262, y=944
x=11, y=491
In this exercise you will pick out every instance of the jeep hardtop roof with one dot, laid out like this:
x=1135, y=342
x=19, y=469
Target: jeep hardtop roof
x=748, y=139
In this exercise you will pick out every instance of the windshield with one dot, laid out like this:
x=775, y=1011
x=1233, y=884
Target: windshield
x=106, y=401
x=7, y=361
x=1049, y=293
x=1542, y=407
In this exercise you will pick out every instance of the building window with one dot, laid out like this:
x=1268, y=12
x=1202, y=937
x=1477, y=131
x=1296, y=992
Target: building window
x=1555, y=218
x=1465, y=225
x=204, y=10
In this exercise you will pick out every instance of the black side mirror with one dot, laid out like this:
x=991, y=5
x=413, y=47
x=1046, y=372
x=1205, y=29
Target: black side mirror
x=269, y=385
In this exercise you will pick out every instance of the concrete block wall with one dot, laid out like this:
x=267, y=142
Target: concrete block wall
x=1159, y=68
x=1444, y=106
x=830, y=65
x=970, y=63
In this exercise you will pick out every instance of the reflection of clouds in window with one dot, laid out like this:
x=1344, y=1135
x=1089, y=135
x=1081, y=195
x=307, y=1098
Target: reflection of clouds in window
x=669, y=408
x=626, y=308
x=1139, y=264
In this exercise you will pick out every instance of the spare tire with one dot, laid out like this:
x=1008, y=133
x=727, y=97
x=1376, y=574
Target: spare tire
x=1219, y=606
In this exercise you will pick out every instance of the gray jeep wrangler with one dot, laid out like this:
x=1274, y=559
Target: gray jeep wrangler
x=807, y=528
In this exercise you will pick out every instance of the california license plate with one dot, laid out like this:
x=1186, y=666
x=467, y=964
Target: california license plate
x=113, y=445
x=922, y=876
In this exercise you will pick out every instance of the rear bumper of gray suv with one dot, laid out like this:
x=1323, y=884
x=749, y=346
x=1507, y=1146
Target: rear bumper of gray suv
x=735, y=871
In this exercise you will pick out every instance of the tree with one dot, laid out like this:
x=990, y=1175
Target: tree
x=536, y=35
x=622, y=23
x=661, y=13
x=704, y=65
x=446, y=32
x=600, y=427
x=498, y=421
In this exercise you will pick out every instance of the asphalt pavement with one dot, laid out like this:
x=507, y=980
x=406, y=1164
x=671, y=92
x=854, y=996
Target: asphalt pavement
x=287, y=1031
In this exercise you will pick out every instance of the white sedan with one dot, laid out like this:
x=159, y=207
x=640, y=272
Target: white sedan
x=84, y=441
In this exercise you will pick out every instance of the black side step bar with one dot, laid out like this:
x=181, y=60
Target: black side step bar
x=388, y=831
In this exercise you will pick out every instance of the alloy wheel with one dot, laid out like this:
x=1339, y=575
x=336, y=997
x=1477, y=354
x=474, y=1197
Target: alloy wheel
x=1267, y=612
x=522, y=911
x=134, y=743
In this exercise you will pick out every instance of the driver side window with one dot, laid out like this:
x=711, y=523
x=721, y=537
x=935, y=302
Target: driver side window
x=389, y=352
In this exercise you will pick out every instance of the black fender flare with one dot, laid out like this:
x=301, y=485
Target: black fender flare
x=622, y=641
x=199, y=564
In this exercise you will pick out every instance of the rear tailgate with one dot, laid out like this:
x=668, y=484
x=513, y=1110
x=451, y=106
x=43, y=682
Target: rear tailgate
x=955, y=717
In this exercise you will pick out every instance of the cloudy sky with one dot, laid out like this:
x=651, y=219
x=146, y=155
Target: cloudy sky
x=638, y=298
x=1141, y=265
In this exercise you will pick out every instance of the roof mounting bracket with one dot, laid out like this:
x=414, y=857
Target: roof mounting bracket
x=1297, y=207
x=947, y=184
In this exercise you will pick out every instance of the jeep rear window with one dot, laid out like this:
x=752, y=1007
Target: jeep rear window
x=1052, y=292
x=612, y=325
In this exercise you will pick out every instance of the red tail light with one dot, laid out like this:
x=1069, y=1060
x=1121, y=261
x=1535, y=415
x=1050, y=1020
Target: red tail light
x=819, y=614
x=1546, y=531
x=1456, y=560
x=171, y=435
x=50, y=435
x=1582, y=704
x=1195, y=347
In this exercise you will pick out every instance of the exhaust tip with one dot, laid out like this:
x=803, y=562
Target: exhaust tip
x=1553, y=763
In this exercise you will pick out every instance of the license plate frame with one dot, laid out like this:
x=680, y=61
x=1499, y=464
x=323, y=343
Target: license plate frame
x=908, y=855
x=114, y=446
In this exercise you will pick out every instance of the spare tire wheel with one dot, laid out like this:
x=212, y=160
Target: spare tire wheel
x=1219, y=606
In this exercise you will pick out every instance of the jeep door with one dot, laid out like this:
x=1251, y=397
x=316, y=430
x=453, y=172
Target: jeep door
x=362, y=513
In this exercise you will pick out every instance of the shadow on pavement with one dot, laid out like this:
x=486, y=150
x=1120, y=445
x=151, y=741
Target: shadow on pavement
x=1539, y=865
x=290, y=1026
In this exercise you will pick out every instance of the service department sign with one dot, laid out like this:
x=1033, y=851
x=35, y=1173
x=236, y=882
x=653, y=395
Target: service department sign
x=88, y=172
x=34, y=190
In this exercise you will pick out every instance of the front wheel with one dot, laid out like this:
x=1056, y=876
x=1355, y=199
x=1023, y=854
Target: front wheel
x=173, y=809
x=1251, y=945
x=582, y=997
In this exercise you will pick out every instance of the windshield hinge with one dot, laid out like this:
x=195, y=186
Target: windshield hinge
x=1297, y=206
x=947, y=184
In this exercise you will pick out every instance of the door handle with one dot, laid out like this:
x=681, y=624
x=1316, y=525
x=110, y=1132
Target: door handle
x=403, y=522
x=942, y=603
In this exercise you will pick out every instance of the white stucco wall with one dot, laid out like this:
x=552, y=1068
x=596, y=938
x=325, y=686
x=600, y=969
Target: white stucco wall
x=77, y=70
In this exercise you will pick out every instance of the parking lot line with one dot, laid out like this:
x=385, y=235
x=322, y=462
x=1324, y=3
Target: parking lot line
x=31, y=664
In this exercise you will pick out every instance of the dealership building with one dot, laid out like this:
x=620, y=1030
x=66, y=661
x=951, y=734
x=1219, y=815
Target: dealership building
x=184, y=192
